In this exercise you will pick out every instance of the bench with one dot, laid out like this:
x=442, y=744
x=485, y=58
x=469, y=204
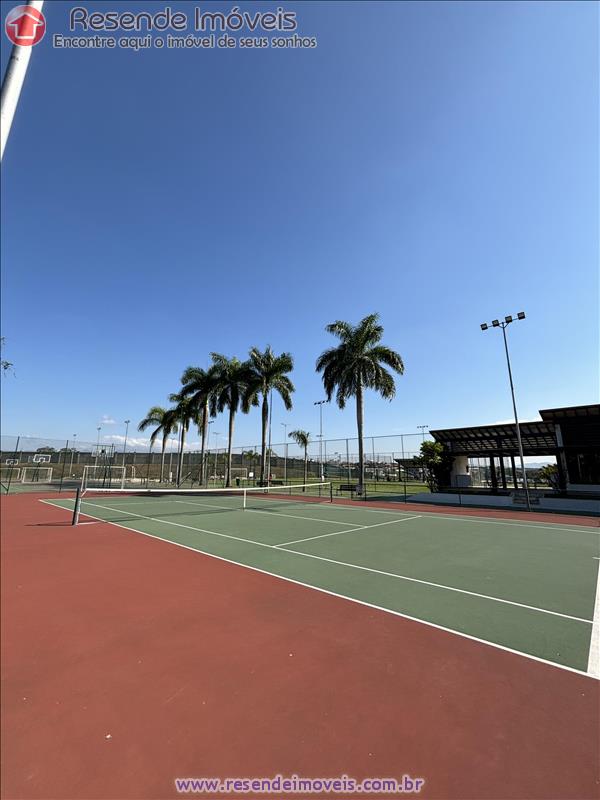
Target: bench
x=347, y=487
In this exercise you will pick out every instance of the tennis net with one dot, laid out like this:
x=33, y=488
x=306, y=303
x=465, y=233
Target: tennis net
x=234, y=499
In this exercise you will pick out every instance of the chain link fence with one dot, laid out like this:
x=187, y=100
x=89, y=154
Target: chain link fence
x=34, y=463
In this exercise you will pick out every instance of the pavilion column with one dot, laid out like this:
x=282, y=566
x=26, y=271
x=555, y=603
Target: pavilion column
x=514, y=472
x=502, y=472
x=493, y=475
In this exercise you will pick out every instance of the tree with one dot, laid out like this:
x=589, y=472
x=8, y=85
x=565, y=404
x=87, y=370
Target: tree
x=232, y=378
x=165, y=425
x=302, y=439
x=185, y=412
x=549, y=474
x=359, y=362
x=198, y=385
x=5, y=366
x=437, y=461
x=268, y=373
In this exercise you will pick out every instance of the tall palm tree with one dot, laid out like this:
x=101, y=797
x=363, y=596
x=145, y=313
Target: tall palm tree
x=185, y=412
x=165, y=425
x=232, y=377
x=356, y=364
x=302, y=439
x=198, y=385
x=268, y=373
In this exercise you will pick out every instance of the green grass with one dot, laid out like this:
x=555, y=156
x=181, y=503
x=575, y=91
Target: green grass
x=526, y=586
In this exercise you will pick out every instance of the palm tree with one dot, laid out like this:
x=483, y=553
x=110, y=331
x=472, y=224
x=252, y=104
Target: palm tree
x=356, y=364
x=232, y=378
x=302, y=439
x=198, y=385
x=185, y=412
x=268, y=373
x=165, y=425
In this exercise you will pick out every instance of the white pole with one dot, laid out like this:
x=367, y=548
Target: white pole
x=514, y=402
x=13, y=83
x=285, y=452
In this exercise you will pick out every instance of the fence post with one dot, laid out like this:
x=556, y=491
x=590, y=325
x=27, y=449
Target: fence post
x=62, y=474
x=348, y=462
x=373, y=453
x=10, y=472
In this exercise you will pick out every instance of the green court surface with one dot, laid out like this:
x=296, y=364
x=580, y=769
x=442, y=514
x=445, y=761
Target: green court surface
x=525, y=586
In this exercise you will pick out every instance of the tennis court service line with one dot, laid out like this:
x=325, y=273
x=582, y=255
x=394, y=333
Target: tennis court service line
x=349, y=530
x=318, y=558
x=554, y=526
x=272, y=513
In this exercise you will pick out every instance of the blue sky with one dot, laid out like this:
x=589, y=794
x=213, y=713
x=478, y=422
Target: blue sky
x=436, y=163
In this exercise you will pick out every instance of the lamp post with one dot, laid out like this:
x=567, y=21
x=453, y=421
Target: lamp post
x=423, y=428
x=72, y=453
x=127, y=421
x=320, y=403
x=285, y=451
x=504, y=325
x=217, y=434
x=173, y=440
x=269, y=450
x=206, y=455
x=99, y=428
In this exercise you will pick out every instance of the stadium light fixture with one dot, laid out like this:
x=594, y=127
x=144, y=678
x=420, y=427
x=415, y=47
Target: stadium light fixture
x=497, y=324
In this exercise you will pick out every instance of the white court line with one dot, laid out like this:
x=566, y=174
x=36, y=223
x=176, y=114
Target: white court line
x=331, y=593
x=346, y=564
x=483, y=520
x=297, y=516
x=349, y=530
x=594, y=654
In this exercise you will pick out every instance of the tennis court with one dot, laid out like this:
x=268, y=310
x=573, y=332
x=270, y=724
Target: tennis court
x=529, y=587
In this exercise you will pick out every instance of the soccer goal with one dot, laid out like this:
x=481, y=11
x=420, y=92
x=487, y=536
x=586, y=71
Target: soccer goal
x=239, y=472
x=103, y=476
x=12, y=474
x=36, y=475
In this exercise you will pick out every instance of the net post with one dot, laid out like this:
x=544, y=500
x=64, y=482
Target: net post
x=331, y=492
x=77, y=508
x=244, y=495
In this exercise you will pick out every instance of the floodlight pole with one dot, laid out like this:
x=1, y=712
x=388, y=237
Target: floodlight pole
x=320, y=404
x=285, y=451
x=72, y=453
x=217, y=434
x=127, y=421
x=13, y=83
x=504, y=325
x=270, y=424
x=99, y=428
